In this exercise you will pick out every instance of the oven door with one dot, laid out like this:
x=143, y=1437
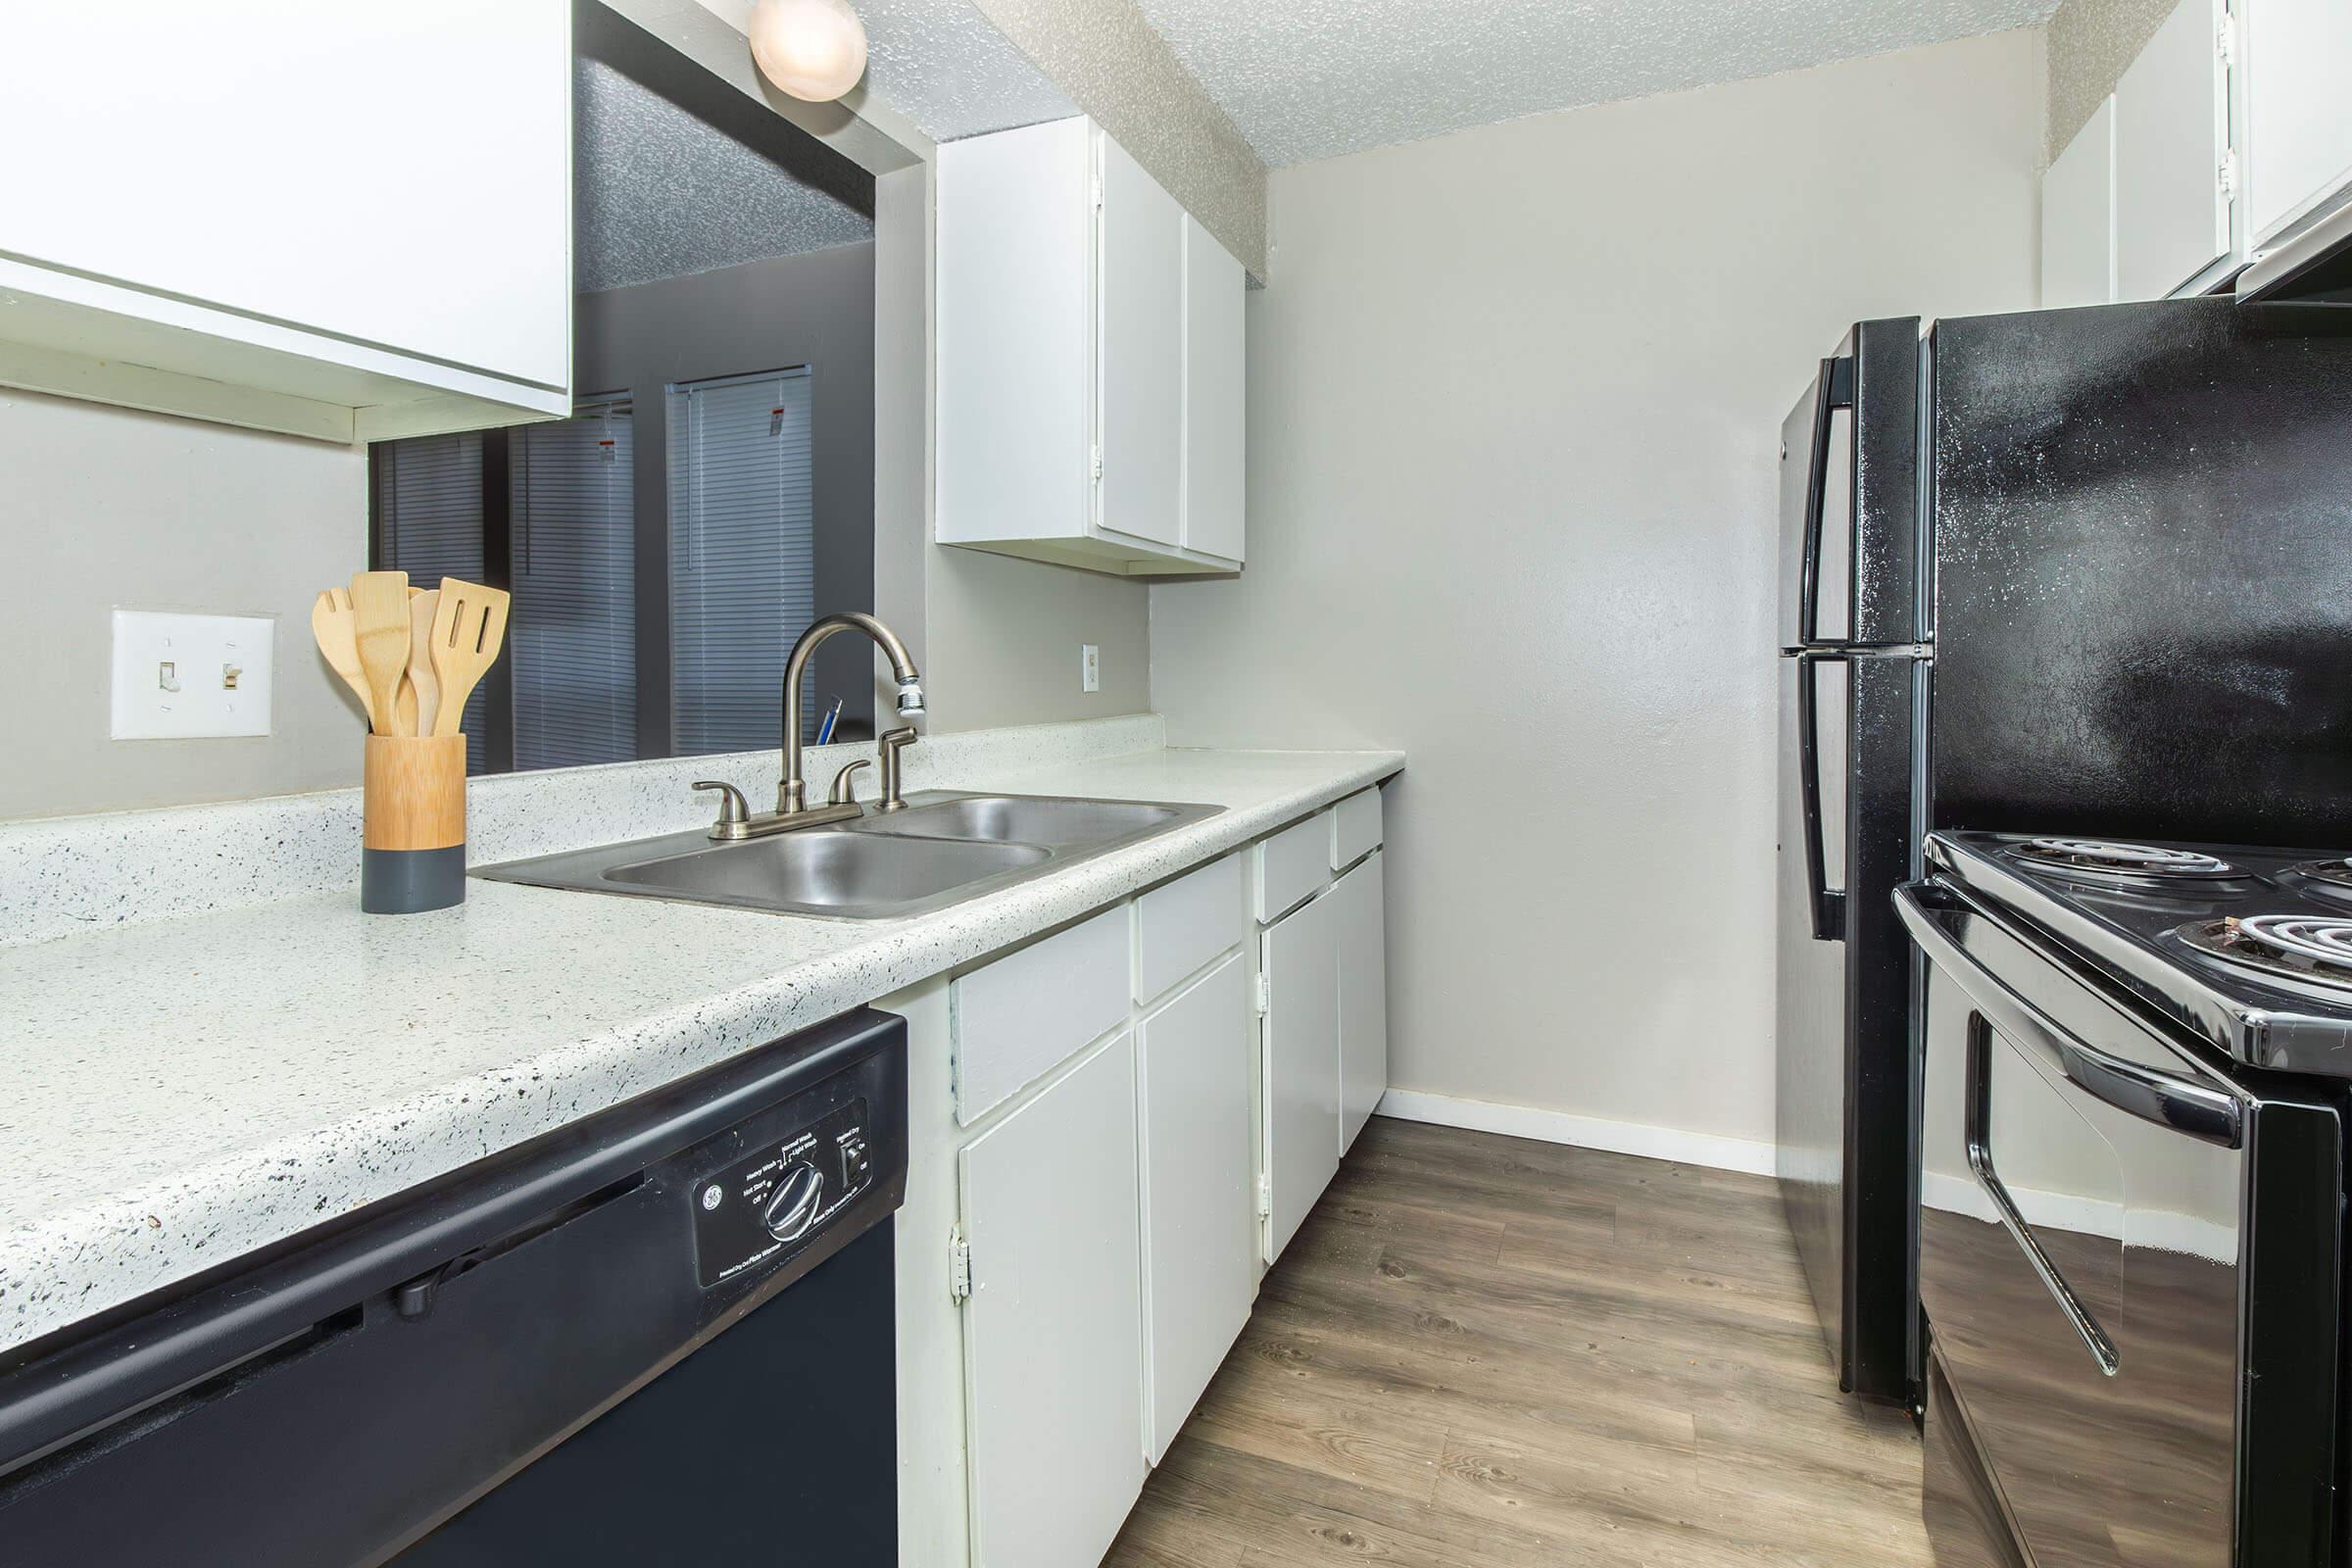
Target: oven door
x=2081, y=1189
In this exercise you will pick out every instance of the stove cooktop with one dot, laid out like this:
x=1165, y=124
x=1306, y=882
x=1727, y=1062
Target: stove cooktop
x=2250, y=950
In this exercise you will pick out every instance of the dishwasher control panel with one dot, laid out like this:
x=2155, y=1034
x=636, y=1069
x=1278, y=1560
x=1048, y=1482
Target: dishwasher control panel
x=773, y=1200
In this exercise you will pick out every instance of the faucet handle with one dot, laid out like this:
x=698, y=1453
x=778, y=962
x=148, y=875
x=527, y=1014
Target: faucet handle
x=888, y=744
x=733, y=809
x=845, y=787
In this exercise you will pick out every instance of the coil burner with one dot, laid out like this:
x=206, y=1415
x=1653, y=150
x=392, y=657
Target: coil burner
x=2126, y=863
x=2315, y=949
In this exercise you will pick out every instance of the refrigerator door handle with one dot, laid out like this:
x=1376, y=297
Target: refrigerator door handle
x=1826, y=903
x=1836, y=390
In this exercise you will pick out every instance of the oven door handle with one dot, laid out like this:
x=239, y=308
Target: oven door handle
x=2175, y=1103
x=1979, y=1137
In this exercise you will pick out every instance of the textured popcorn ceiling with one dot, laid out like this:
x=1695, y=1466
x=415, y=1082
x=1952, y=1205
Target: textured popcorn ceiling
x=657, y=193
x=1313, y=79
x=946, y=66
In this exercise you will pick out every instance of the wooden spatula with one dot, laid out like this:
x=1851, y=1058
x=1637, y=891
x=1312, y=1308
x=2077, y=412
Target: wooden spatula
x=421, y=695
x=468, y=625
x=379, y=603
x=336, y=630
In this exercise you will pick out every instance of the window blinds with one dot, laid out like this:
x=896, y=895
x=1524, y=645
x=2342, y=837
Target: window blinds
x=572, y=633
x=743, y=574
x=428, y=509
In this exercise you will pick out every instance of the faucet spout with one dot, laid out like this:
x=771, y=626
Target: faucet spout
x=792, y=790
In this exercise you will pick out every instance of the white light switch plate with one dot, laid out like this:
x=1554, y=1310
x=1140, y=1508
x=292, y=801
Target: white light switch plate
x=1090, y=667
x=179, y=676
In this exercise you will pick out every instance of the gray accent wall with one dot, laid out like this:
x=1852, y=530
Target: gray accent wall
x=103, y=507
x=815, y=309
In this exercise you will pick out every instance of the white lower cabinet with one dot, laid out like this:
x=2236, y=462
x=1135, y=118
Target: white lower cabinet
x=1361, y=901
x=1199, y=1241
x=1053, y=1329
x=1300, y=971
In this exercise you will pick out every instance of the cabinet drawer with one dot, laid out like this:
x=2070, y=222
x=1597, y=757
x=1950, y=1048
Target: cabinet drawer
x=1354, y=828
x=1290, y=867
x=1180, y=927
x=1014, y=1020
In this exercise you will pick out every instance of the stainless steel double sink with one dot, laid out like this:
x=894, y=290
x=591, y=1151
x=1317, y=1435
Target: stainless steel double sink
x=943, y=848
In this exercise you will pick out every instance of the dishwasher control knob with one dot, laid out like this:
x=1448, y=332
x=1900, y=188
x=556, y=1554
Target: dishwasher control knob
x=793, y=1208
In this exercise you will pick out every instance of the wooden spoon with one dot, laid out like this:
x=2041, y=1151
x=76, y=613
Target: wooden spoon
x=420, y=698
x=335, y=628
x=468, y=625
x=379, y=603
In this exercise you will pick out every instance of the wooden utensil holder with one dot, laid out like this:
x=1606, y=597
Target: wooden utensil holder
x=413, y=833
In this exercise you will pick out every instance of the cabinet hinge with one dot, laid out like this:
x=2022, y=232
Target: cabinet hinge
x=2224, y=175
x=2225, y=40
x=1097, y=190
x=1265, y=994
x=1266, y=1196
x=1098, y=464
x=959, y=1266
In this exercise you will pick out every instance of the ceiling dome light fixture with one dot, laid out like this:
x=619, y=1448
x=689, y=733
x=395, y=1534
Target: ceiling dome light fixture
x=812, y=49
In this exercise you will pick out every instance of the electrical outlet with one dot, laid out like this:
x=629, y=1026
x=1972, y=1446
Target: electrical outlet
x=179, y=676
x=1090, y=667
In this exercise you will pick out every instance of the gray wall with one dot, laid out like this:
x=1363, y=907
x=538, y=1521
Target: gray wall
x=1515, y=397
x=103, y=507
x=2091, y=45
x=816, y=310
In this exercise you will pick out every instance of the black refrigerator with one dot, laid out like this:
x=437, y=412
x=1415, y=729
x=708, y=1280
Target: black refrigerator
x=2082, y=571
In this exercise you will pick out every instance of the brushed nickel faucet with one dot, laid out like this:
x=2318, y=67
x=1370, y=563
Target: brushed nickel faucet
x=792, y=790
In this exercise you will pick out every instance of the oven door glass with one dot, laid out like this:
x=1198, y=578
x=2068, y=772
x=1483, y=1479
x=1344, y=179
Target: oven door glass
x=2079, y=1267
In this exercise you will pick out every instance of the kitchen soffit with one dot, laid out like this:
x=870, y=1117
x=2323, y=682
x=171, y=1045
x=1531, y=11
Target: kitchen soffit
x=1315, y=78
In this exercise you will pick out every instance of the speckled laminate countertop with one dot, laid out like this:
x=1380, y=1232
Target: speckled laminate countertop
x=177, y=1092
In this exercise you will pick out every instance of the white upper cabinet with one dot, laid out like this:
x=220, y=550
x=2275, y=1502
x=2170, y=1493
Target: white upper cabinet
x=2171, y=147
x=2078, y=217
x=1089, y=355
x=2298, y=81
x=337, y=220
x=1213, y=400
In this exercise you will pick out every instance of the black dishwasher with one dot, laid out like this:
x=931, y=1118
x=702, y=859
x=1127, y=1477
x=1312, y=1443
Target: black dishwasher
x=662, y=1335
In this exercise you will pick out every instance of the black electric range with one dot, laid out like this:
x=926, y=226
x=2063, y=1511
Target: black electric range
x=2130, y=1199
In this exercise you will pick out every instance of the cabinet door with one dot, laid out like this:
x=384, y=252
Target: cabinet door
x=1139, y=372
x=395, y=176
x=2078, y=217
x=1214, y=286
x=1301, y=1064
x=2172, y=135
x=1363, y=975
x=2298, y=122
x=1199, y=1239
x=1054, y=1328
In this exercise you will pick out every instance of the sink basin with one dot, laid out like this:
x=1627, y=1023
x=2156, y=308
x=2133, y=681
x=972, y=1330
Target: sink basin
x=1048, y=820
x=826, y=872
x=945, y=848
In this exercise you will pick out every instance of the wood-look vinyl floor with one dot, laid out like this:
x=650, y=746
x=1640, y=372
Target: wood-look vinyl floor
x=1486, y=1352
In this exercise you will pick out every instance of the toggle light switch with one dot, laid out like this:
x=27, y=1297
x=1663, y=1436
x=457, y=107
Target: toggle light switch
x=161, y=690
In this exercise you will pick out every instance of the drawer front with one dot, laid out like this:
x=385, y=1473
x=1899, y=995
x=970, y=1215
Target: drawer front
x=1180, y=927
x=1290, y=867
x=1024, y=1014
x=1354, y=828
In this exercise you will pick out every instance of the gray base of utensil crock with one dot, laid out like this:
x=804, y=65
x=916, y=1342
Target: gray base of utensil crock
x=412, y=881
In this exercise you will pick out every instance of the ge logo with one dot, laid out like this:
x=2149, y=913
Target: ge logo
x=712, y=1194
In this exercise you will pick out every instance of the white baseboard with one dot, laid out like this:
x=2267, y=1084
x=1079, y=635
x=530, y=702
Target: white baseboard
x=1582, y=1132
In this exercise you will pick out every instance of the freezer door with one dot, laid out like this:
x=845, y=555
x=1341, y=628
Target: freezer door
x=1850, y=495
x=2143, y=599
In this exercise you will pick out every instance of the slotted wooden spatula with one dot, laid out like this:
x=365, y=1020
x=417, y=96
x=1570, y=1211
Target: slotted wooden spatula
x=337, y=634
x=379, y=606
x=468, y=625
